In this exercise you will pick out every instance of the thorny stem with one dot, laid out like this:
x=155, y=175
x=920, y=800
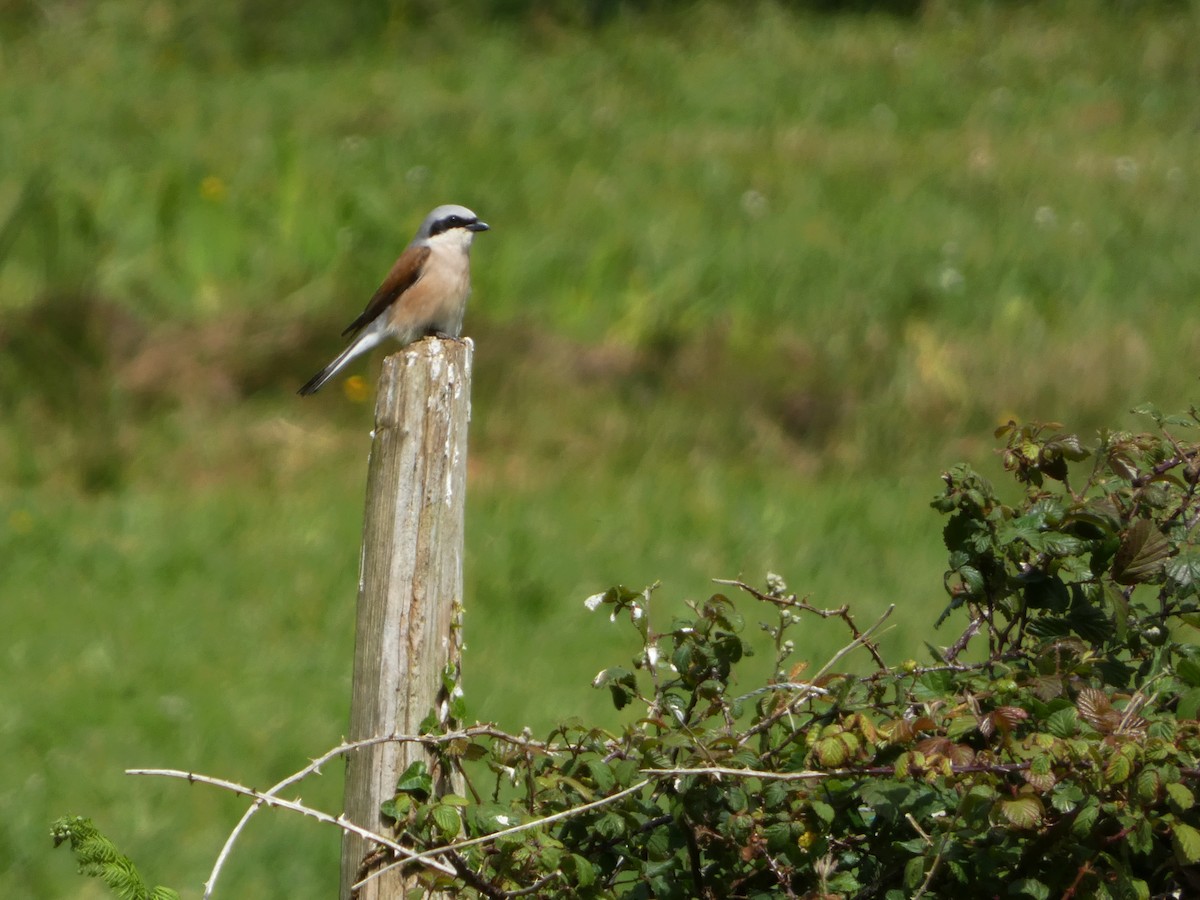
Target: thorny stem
x=964, y=639
x=489, y=838
x=791, y=602
x=788, y=708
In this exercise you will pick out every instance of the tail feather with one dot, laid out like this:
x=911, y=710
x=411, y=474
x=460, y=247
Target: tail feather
x=360, y=345
x=317, y=382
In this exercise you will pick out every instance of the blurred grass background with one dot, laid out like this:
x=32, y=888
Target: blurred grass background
x=757, y=274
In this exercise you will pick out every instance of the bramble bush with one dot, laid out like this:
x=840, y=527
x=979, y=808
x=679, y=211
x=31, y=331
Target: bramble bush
x=1050, y=749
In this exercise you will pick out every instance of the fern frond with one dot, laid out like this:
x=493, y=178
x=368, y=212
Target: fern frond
x=98, y=857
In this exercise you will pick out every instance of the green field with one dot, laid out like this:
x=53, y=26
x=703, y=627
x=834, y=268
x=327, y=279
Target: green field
x=754, y=280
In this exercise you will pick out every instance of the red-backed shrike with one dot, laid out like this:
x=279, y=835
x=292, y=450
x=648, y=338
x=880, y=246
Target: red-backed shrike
x=425, y=293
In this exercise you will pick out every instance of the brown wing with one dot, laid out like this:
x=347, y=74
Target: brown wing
x=404, y=274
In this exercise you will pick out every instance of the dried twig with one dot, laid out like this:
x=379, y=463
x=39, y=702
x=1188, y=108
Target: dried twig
x=344, y=748
x=296, y=806
x=860, y=639
x=791, y=602
x=425, y=855
x=849, y=772
x=801, y=686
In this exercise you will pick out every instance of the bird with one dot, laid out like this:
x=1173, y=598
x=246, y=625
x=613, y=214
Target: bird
x=425, y=293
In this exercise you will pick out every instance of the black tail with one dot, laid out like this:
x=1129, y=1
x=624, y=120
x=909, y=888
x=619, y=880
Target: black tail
x=364, y=342
x=315, y=383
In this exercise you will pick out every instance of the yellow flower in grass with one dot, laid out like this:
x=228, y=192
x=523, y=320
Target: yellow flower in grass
x=20, y=521
x=213, y=189
x=355, y=388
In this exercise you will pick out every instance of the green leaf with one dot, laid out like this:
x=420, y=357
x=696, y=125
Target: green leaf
x=914, y=872
x=1086, y=819
x=1188, y=670
x=960, y=726
x=580, y=871
x=1147, y=409
x=1140, y=838
x=658, y=844
x=602, y=775
x=1132, y=888
x=978, y=800
x=1147, y=785
x=844, y=883
x=1118, y=769
x=832, y=751
x=1025, y=529
x=1186, y=841
x=1028, y=887
x=1162, y=729
x=736, y=799
x=722, y=610
x=824, y=811
x=1058, y=544
x=933, y=686
x=450, y=679
x=1179, y=797
x=1188, y=707
x=1179, y=421
x=489, y=818
x=1184, y=571
x=397, y=807
x=1069, y=446
x=774, y=794
x=972, y=580
x=780, y=836
x=620, y=682
x=447, y=821
x=610, y=826
x=1066, y=796
x=1064, y=723
x=415, y=780
x=1022, y=812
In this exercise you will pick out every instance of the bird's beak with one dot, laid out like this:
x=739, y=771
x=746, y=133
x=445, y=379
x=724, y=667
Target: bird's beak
x=478, y=226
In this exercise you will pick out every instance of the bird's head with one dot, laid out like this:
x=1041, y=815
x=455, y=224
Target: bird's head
x=451, y=223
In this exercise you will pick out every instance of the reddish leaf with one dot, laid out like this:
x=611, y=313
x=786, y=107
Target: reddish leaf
x=1097, y=710
x=1141, y=555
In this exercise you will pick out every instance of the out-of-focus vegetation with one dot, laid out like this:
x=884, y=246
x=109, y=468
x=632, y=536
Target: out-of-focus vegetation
x=756, y=276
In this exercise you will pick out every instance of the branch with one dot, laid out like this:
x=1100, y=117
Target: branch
x=816, y=775
x=1180, y=458
x=425, y=855
x=348, y=747
x=960, y=645
x=784, y=686
x=918, y=671
x=296, y=806
x=860, y=638
x=536, y=886
x=937, y=858
x=718, y=771
x=790, y=602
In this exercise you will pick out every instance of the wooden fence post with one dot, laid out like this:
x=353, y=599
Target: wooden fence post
x=410, y=586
